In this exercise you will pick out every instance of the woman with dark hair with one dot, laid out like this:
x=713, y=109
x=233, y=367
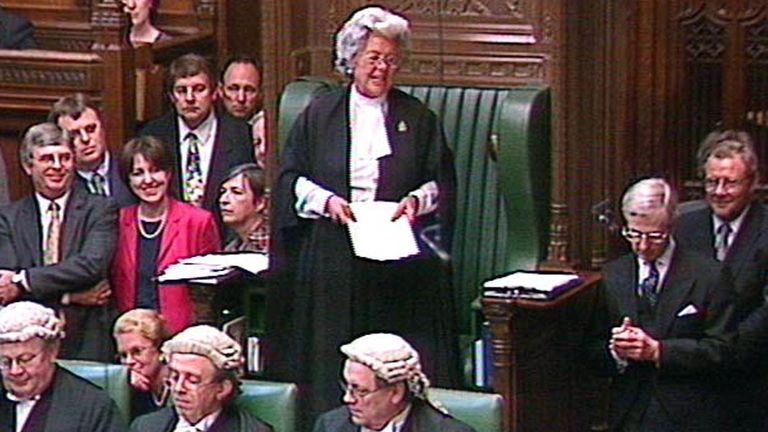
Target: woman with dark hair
x=142, y=13
x=155, y=233
x=139, y=333
x=244, y=206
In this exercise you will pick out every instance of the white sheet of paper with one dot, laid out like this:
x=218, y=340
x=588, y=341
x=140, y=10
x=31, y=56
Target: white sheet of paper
x=253, y=262
x=545, y=282
x=375, y=236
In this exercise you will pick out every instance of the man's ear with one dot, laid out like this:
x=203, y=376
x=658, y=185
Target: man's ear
x=27, y=167
x=225, y=390
x=399, y=392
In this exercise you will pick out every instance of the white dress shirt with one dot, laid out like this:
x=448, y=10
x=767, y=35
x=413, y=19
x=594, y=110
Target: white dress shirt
x=201, y=426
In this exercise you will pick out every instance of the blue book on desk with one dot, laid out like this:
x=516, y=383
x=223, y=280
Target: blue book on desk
x=530, y=285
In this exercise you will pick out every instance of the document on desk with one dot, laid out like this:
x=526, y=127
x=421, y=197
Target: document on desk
x=375, y=236
x=213, y=268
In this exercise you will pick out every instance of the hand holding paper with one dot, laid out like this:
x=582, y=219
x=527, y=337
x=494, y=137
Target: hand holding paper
x=376, y=236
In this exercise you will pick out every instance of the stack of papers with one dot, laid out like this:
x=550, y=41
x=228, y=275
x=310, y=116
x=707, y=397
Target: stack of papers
x=211, y=269
x=530, y=285
x=375, y=236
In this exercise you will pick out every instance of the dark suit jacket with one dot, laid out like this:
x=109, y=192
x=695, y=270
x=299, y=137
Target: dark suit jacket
x=89, y=235
x=76, y=406
x=231, y=419
x=16, y=32
x=694, y=347
x=117, y=189
x=232, y=146
x=422, y=418
x=746, y=393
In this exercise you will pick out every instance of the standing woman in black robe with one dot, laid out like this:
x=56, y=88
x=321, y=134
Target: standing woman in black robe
x=366, y=141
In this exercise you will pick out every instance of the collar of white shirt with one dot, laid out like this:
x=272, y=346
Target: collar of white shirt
x=394, y=425
x=203, y=131
x=735, y=224
x=203, y=425
x=102, y=169
x=43, y=203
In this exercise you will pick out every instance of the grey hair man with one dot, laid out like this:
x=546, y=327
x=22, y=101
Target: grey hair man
x=662, y=323
x=204, y=364
x=39, y=393
x=385, y=389
x=733, y=227
x=57, y=244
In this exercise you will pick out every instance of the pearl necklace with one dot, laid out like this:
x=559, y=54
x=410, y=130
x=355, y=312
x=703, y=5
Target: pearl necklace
x=159, y=229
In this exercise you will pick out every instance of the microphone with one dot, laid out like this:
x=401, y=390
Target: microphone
x=604, y=214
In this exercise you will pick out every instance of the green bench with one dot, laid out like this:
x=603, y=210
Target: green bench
x=273, y=402
x=500, y=140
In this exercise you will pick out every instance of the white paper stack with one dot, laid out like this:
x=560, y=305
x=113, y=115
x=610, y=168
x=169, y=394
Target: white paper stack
x=212, y=268
x=375, y=236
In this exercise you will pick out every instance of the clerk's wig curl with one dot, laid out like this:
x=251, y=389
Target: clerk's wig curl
x=356, y=31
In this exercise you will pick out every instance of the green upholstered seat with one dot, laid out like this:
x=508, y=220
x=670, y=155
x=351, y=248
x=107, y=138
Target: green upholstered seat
x=113, y=378
x=272, y=402
x=500, y=140
x=482, y=411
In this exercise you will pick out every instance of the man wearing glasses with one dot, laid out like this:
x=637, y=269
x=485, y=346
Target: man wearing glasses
x=662, y=323
x=733, y=227
x=384, y=389
x=40, y=396
x=203, y=367
x=57, y=244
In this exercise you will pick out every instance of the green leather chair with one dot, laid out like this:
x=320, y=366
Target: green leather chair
x=113, y=378
x=482, y=411
x=273, y=402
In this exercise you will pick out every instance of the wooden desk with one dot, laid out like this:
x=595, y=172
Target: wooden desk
x=533, y=365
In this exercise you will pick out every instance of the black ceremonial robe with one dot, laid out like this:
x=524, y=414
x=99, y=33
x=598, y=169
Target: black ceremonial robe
x=71, y=404
x=331, y=296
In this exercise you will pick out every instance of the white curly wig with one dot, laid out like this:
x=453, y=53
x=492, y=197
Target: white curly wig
x=207, y=341
x=24, y=320
x=354, y=34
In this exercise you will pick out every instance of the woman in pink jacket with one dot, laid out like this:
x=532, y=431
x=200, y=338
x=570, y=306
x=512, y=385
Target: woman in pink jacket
x=155, y=233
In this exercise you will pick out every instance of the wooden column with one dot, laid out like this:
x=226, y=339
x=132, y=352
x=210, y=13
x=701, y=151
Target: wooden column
x=119, y=80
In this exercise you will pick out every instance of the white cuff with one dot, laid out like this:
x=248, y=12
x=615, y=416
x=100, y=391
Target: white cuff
x=428, y=195
x=310, y=199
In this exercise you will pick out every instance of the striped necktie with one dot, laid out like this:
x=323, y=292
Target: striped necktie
x=97, y=184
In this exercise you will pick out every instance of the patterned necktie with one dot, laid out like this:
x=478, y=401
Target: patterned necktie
x=97, y=184
x=721, y=241
x=193, y=174
x=51, y=253
x=649, y=285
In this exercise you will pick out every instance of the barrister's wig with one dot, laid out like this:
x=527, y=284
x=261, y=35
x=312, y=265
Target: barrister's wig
x=24, y=320
x=391, y=359
x=209, y=342
x=356, y=31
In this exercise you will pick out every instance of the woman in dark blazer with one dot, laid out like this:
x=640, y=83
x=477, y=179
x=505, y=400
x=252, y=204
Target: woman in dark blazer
x=155, y=233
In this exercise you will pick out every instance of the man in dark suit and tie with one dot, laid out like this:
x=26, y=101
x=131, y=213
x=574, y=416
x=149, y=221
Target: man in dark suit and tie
x=662, y=325
x=206, y=144
x=733, y=228
x=57, y=244
x=96, y=170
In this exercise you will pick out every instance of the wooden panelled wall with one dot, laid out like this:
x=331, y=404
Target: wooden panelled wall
x=647, y=80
